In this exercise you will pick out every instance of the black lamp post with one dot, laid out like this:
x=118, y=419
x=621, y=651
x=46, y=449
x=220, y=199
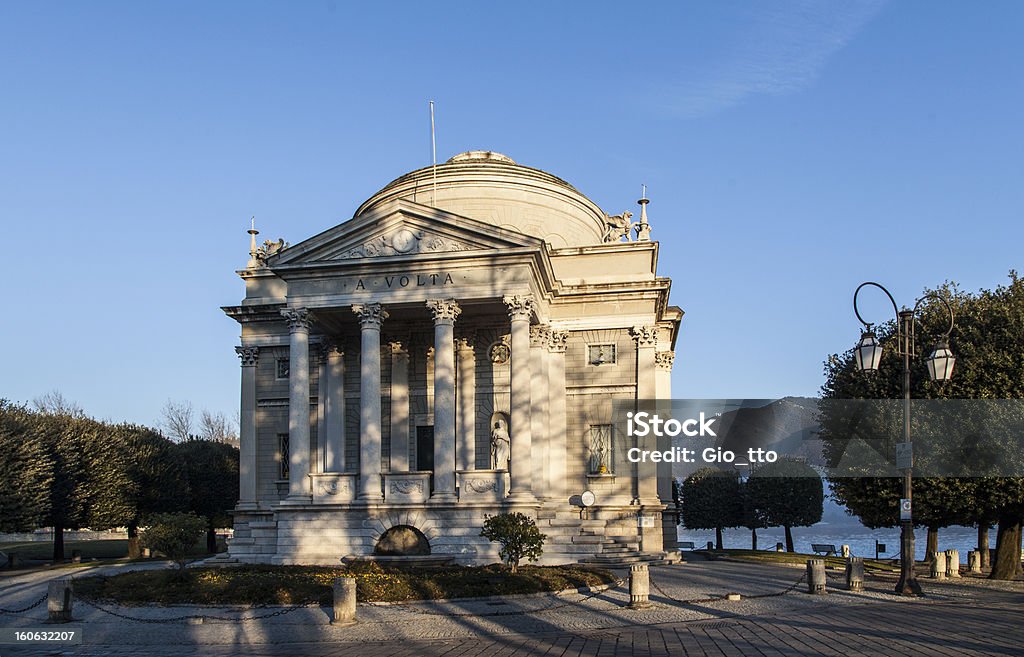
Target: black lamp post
x=868, y=355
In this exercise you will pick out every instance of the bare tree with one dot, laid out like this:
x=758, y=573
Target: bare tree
x=217, y=427
x=55, y=403
x=176, y=420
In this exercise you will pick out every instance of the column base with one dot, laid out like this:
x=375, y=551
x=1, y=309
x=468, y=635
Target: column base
x=444, y=497
x=522, y=496
x=295, y=500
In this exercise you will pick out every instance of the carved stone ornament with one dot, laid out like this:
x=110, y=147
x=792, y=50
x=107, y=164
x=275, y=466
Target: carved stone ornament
x=334, y=487
x=482, y=485
x=297, y=318
x=617, y=227
x=444, y=310
x=559, y=340
x=249, y=355
x=665, y=359
x=407, y=486
x=500, y=352
x=520, y=306
x=268, y=249
x=371, y=315
x=327, y=348
x=405, y=241
x=645, y=336
x=540, y=335
x=465, y=342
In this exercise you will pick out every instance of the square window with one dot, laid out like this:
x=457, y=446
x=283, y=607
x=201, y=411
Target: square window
x=282, y=456
x=282, y=368
x=601, y=354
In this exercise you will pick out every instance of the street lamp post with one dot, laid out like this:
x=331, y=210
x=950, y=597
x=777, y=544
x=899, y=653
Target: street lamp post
x=868, y=355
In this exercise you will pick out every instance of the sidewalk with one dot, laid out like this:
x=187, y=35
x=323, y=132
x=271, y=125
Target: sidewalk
x=955, y=618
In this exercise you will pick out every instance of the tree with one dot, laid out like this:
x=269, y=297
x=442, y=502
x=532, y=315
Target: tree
x=26, y=471
x=64, y=439
x=174, y=535
x=787, y=493
x=518, y=536
x=212, y=471
x=217, y=427
x=55, y=403
x=177, y=420
x=987, y=335
x=133, y=473
x=712, y=499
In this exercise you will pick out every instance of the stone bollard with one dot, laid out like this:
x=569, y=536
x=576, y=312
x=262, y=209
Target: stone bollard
x=844, y=551
x=344, y=601
x=711, y=546
x=816, y=576
x=855, y=574
x=639, y=586
x=953, y=563
x=58, y=601
x=974, y=561
x=779, y=547
x=939, y=566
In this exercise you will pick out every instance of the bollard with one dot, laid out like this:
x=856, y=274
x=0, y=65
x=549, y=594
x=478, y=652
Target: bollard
x=711, y=545
x=816, y=576
x=779, y=547
x=855, y=574
x=974, y=561
x=639, y=586
x=953, y=563
x=939, y=566
x=344, y=601
x=844, y=550
x=58, y=601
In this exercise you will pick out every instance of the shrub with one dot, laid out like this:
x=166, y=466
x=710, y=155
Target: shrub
x=174, y=535
x=518, y=536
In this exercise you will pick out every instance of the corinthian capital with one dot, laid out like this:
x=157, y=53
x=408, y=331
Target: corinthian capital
x=540, y=335
x=444, y=310
x=249, y=355
x=645, y=336
x=665, y=359
x=558, y=342
x=371, y=315
x=520, y=306
x=297, y=318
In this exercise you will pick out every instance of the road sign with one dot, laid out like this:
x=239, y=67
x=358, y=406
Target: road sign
x=905, y=509
x=904, y=456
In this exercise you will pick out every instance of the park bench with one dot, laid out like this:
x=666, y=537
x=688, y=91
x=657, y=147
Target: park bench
x=687, y=545
x=824, y=548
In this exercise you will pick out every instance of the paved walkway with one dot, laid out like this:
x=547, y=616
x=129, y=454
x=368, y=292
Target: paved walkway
x=954, y=619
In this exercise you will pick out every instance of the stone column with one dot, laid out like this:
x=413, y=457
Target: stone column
x=663, y=361
x=399, y=407
x=646, y=343
x=520, y=310
x=445, y=311
x=332, y=440
x=371, y=316
x=540, y=335
x=298, y=404
x=556, y=414
x=466, y=403
x=247, y=463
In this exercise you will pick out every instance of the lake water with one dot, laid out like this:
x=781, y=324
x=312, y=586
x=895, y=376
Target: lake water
x=838, y=528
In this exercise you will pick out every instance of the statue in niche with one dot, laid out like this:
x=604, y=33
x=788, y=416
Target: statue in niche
x=500, y=442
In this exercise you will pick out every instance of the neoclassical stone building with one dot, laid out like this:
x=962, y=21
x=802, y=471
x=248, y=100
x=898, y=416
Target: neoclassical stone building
x=450, y=352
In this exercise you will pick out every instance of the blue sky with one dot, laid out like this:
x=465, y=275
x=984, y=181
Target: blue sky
x=791, y=150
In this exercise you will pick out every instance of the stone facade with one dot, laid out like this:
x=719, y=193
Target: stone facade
x=449, y=353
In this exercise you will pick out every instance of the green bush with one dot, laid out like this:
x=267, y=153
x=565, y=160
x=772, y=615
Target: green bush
x=174, y=535
x=518, y=536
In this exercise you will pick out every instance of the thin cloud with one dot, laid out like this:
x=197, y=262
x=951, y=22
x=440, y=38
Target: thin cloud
x=782, y=47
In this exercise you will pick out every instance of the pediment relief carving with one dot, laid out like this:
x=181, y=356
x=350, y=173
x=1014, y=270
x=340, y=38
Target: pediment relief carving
x=403, y=240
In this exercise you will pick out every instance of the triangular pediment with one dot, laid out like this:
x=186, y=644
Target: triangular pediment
x=397, y=229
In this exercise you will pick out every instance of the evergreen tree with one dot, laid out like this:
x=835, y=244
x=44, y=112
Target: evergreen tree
x=786, y=493
x=26, y=471
x=712, y=499
x=212, y=471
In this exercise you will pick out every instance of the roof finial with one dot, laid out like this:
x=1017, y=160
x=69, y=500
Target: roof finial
x=253, y=260
x=643, y=229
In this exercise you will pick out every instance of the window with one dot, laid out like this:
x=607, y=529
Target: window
x=601, y=449
x=601, y=354
x=282, y=368
x=283, y=455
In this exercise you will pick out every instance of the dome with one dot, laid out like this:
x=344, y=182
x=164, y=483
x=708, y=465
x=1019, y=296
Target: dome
x=493, y=188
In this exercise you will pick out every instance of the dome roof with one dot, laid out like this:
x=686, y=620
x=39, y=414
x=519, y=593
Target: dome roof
x=493, y=188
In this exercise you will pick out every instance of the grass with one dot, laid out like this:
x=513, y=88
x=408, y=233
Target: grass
x=297, y=584
x=800, y=559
